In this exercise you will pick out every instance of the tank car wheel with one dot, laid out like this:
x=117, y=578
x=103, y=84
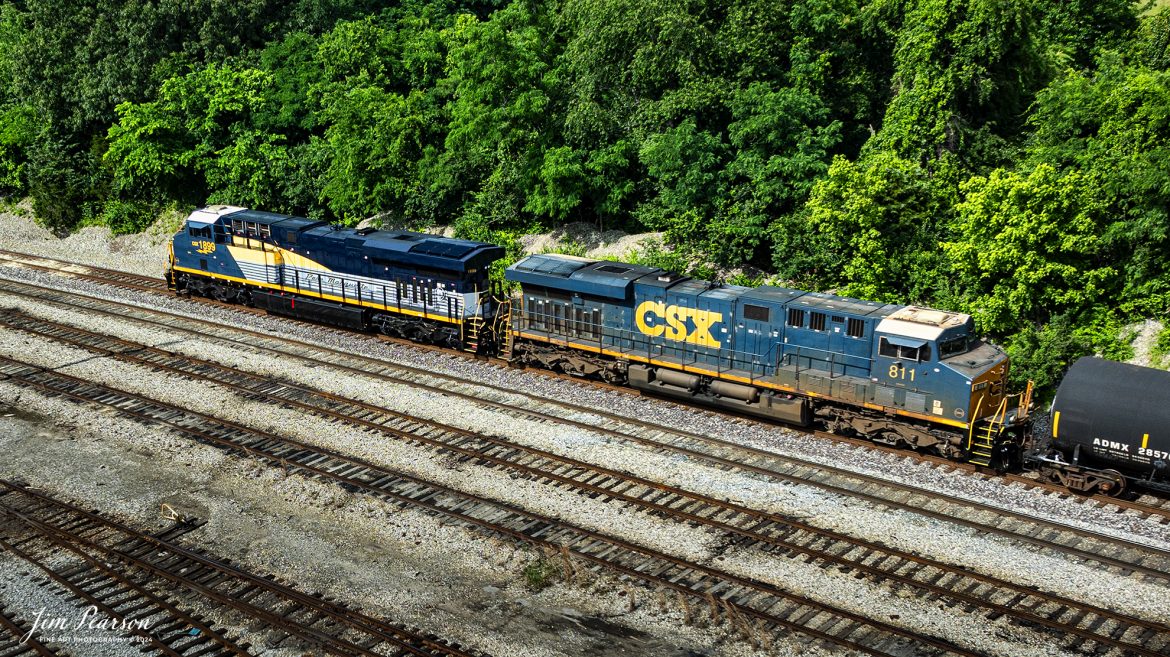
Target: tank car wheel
x=1111, y=483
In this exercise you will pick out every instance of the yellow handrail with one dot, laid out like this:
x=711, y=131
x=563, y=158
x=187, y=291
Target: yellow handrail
x=971, y=424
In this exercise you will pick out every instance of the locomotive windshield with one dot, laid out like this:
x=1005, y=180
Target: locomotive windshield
x=954, y=346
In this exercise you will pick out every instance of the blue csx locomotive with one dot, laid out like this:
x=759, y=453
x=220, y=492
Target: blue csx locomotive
x=901, y=375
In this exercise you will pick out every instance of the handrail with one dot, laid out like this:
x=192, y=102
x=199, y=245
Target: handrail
x=971, y=424
x=725, y=359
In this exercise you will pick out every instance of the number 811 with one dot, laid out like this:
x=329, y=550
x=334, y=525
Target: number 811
x=899, y=372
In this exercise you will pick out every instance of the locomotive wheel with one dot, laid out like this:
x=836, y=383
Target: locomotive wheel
x=1111, y=483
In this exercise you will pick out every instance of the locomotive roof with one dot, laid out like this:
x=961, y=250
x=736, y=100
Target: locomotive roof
x=819, y=301
x=210, y=214
x=272, y=218
x=613, y=280
x=832, y=303
x=406, y=247
x=922, y=323
x=582, y=275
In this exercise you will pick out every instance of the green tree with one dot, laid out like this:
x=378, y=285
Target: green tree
x=964, y=72
x=1029, y=247
x=782, y=141
x=198, y=140
x=1042, y=353
x=685, y=167
x=375, y=140
x=1113, y=124
x=872, y=229
x=499, y=110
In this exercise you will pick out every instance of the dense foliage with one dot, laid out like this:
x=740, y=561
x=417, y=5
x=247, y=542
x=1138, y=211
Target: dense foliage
x=1010, y=158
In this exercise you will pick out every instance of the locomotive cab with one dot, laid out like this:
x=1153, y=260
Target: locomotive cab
x=933, y=360
x=198, y=245
x=936, y=351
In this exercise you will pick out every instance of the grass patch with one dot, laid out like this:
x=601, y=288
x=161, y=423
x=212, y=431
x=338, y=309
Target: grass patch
x=1161, y=346
x=542, y=573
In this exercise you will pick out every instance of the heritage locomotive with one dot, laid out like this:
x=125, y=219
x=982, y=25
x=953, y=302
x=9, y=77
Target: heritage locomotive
x=426, y=288
x=900, y=375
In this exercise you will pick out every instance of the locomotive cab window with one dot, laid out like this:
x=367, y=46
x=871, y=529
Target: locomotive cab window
x=199, y=232
x=952, y=347
x=915, y=353
x=756, y=313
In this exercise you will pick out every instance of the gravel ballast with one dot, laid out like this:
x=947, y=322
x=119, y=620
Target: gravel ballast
x=397, y=562
x=999, y=557
x=467, y=586
x=880, y=464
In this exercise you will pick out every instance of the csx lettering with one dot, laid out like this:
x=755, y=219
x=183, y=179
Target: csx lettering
x=1109, y=444
x=204, y=246
x=671, y=323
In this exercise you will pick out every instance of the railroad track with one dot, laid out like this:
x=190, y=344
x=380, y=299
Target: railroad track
x=753, y=607
x=1151, y=507
x=102, y=275
x=144, y=581
x=743, y=526
x=1148, y=506
x=18, y=640
x=1122, y=556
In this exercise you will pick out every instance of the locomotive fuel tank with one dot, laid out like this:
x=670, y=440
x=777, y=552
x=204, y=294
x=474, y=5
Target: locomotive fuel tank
x=1116, y=416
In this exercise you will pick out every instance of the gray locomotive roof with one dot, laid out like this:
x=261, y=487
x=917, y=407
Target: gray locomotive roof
x=819, y=301
x=581, y=275
x=403, y=246
x=727, y=292
x=692, y=286
x=551, y=264
x=832, y=303
x=772, y=294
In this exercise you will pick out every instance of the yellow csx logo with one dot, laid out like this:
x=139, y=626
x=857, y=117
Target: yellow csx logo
x=204, y=246
x=670, y=322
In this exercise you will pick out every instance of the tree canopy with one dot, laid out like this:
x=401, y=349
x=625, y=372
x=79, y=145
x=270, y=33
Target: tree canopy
x=1009, y=158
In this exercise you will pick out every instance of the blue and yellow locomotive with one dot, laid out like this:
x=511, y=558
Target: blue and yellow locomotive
x=901, y=375
x=413, y=285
